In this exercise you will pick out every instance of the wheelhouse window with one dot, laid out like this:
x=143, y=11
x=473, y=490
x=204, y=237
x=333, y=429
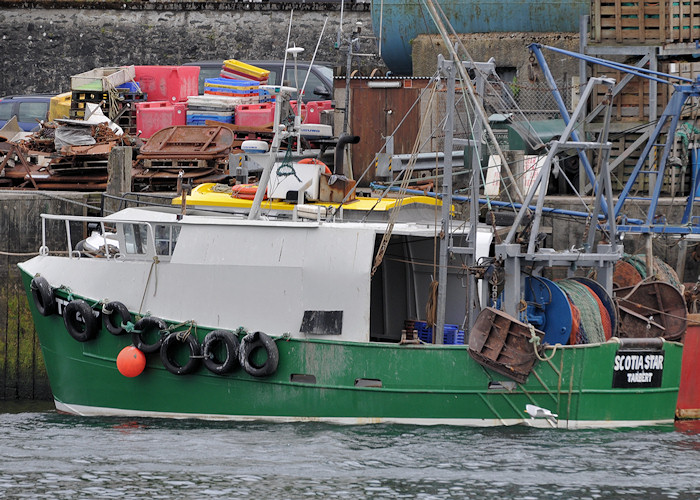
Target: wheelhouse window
x=136, y=238
x=166, y=238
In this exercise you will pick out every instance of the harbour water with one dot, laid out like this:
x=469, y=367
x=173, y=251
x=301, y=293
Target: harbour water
x=44, y=454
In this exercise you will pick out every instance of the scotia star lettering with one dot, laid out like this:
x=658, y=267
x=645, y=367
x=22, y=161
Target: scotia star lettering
x=639, y=362
x=638, y=369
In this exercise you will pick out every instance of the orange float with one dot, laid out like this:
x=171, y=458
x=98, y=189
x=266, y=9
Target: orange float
x=131, y=361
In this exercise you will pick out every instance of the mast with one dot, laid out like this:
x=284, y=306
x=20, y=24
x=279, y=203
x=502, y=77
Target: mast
x=282, y=95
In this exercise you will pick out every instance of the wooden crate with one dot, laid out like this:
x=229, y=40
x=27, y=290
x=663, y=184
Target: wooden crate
x=683, y=20
x=632, y=102
x=639, y=22
x=629, y=22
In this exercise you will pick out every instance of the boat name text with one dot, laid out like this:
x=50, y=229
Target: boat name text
x=634, y=369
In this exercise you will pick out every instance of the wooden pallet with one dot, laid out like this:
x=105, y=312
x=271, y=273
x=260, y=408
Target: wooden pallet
x=631, y=104
x=175, y=163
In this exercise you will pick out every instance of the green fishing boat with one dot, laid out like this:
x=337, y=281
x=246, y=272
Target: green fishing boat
x=246, y=316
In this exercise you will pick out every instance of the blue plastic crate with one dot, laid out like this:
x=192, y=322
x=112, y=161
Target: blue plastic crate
x=229, y=82
x=203, y=117
x=265, y=96
x=130, y=87
x=453, y=338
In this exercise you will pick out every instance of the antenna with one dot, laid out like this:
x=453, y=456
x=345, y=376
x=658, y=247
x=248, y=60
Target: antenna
x=313, y=58
x=295, y=51
x=289, y=34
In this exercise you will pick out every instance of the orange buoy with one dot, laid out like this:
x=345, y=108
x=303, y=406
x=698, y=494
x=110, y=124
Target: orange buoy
x=314, y=161
x=131, y=361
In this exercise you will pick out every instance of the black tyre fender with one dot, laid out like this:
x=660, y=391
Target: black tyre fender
x=231, y=344
x=114, y=315
x=170, y=344
x=44, y=298
x=80, y=320
x=249, y=345
x=146, y=325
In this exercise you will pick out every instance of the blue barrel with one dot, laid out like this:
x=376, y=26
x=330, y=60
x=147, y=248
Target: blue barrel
x=403, y=20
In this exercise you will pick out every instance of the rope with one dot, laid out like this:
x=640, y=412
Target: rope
x=67, y=200
x=536, y=343
x=155, y=262
x=402, y=190
x=286, y=168
x=69, y=292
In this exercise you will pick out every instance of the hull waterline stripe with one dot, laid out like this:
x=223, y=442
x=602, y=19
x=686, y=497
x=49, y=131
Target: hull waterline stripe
x=95, y=411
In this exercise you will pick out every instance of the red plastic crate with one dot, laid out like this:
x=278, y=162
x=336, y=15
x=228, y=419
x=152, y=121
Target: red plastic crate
x=259, y=115
x=255, y=115
x=154, y=116
x=314, y=109
x=168, y=83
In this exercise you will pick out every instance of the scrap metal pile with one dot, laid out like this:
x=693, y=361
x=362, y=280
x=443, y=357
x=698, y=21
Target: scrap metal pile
x=41, y=160
x=200, y=152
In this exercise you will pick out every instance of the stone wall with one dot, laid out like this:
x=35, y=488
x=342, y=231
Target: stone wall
x=22, y=372
x=42, y=47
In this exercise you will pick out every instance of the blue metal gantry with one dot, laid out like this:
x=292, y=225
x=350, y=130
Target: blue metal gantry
x=652, y=223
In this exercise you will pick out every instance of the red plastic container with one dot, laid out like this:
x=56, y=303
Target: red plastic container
x=154, y=116
x=168, y=83
x=255, y=115
x=314, y=109
x=259, y=115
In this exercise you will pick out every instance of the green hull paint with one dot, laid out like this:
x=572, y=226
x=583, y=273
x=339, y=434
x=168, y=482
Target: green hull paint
x=422, y=384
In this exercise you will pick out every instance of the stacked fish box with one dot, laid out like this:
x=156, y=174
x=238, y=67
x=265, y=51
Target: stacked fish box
x=231, y=88
x=220, y=108
x=237, y=88
x=236, y=70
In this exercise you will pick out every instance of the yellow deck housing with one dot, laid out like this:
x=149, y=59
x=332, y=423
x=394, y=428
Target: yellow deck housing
x=208, y=195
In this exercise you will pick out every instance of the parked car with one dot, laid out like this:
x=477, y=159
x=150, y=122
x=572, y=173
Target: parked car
x=319, y=87
x=29, y=110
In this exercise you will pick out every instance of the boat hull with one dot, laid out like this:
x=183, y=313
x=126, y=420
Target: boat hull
x=420, y=384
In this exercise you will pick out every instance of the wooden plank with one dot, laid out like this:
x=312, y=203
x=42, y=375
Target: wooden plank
x=595, y=22
x=663, y=22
